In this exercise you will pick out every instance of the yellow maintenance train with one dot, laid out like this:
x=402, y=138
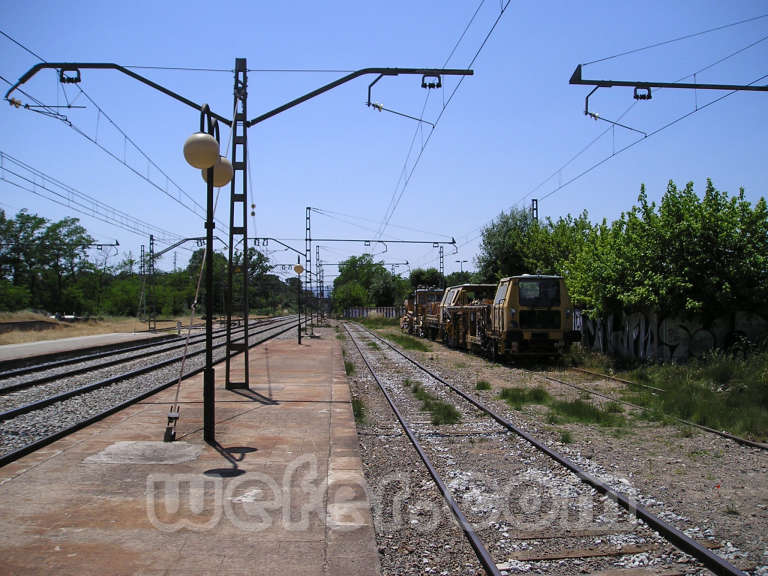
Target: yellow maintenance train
x=527, y=315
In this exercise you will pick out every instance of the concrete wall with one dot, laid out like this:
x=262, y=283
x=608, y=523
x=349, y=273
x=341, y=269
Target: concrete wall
x=645, y=336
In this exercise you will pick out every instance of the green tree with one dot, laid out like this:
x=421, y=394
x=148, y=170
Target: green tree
x=363, y=282
x=425, y=278
x=505, y=248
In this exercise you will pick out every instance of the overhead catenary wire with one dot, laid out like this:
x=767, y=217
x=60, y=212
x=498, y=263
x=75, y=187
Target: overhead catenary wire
x=350, y=219
x=36, y=180
x=678, y=39
x=440, y=116
x=419, y=129
x=51, y=112
x=650, y=134
x=558, y=171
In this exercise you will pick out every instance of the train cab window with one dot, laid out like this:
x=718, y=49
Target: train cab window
x=448, y=299
x=501, y=293
x=540, y=292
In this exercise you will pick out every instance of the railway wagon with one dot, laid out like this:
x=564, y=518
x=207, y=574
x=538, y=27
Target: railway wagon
x=530, y=315
x=423, y=302
x=458, y=308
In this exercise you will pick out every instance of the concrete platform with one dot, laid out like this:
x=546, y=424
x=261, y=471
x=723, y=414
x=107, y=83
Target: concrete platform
x=62, y=345
x=282, y=491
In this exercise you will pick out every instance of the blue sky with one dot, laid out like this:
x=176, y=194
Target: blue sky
x=500, y=141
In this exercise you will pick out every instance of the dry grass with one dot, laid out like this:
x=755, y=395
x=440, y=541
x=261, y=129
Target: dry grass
x=71, y=329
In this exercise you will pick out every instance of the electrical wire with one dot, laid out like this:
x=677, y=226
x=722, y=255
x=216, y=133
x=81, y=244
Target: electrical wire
x=181, y=69
x=127, y=138
x=74, y=199
x=419, y=130
x=604, y=132
x=665, y=42
x=350, y=220
x=94, y=140
x=662, y=128
x=301, y=70
x=388, y=217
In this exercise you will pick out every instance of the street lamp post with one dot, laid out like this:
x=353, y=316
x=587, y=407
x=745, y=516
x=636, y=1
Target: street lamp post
x=299, y=269
x=201, y=150
x=461, y=264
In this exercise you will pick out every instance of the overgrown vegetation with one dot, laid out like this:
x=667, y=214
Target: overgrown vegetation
x=376, y=322
x=483, y=385
x=565, y=410
x=408, y=342
x=349, y=367
x=358, y=410
x=686, y=256
x=584, y=412
x=721, y=391
x=517, y=397
x=442, y=412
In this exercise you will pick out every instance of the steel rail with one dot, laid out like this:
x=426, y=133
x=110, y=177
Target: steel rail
x=712, y=561
x=12, y=373
x=629, y=382
x=477, y=545
x=45, y=402
x=98, y=353
x=114, y=362
x=29, y=448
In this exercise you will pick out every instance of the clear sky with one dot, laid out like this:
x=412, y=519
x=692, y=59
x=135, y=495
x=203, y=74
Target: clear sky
x=505, y=136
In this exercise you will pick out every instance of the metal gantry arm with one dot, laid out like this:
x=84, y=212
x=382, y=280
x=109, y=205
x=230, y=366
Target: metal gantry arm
x=433, y=72
x=198, y=239
x=643, y=88
x=270, y=239
x=64, y=67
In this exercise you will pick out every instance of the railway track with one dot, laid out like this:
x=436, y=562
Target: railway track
x=528, y=508
x=94, y=365
x=31, y=425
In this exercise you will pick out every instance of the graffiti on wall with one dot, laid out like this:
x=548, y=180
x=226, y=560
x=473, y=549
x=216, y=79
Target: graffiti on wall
x=645, y=336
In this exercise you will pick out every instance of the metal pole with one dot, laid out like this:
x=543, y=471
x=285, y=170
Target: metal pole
x=209, y=390
x=298, y=298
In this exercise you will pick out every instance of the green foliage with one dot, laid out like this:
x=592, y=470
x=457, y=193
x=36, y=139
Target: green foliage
x=456, y=278
x=349, y=368
x=425, y=278
x=721, y=391
x=483, y=385
x=442, y=412
x=688, y=256
x=376, y=322
x=408, y=342
x=41, y=260
x=580, y=411
x=44, y=265
x=363, y=282
x=566, y=437
x=704, y=256
x=516, y=397
x=358, y=410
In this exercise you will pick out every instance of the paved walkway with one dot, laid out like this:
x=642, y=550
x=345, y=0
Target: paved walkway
x=282, y=492
x=43, y=347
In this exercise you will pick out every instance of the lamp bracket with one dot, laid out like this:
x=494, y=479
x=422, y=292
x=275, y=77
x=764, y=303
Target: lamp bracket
x=66, y=77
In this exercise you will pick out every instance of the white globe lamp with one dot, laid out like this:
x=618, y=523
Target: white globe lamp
x=201, y=150
x=222, y=172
